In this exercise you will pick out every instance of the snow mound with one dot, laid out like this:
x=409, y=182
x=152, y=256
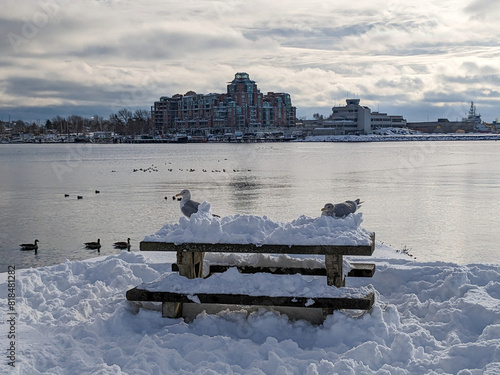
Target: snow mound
x=428, y=318
x=203, y=227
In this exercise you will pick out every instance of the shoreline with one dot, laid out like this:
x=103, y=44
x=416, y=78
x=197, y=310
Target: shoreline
x=402, y=138
x=322, y=138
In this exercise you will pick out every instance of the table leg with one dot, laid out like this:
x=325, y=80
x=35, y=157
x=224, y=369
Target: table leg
x=334, y=272
x=171, y=309
x=190, y=264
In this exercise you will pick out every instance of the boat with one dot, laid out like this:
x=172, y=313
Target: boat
x=181, y=138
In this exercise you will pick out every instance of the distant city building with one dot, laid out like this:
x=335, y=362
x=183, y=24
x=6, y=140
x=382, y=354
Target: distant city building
x=242, y=107
x=471, y=123
x=354, y=118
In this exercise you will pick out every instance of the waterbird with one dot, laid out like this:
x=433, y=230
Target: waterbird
x=188, y=206
x=79, y=197
x=93, y=245
x=341, y=209
x=122, y=245
x=30, y=246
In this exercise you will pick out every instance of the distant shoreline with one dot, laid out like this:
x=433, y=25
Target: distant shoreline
x=319, y=138
x=402, y=138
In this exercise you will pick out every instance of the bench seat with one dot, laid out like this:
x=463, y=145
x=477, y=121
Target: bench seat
x=357, y=270
x=232, y=288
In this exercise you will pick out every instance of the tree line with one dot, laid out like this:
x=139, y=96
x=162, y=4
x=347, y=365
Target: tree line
x=124, y=122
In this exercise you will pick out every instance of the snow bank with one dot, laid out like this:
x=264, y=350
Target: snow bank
x=429, y=318
x=394, y=137
x=203, y=227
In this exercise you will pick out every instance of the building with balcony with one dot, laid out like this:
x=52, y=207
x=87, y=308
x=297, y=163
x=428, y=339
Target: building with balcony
x=243, y=107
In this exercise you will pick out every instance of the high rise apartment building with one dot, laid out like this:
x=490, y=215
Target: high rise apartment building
x=242, y=107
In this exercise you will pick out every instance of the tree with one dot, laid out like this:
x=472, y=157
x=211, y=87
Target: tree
x=60, y=124
x=125, y=115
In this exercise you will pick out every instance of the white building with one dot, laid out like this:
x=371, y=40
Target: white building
x=354, y=118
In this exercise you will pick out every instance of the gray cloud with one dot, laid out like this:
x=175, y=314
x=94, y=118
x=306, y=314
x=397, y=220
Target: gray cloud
x=393, y=55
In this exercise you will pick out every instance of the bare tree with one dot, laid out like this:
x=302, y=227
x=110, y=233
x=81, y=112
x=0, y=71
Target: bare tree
x=125, y=115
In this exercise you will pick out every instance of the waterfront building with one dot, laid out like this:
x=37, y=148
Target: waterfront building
x=354, y=118
x=243, y=107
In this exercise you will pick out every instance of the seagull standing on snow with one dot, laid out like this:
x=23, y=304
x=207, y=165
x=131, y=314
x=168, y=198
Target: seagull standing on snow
x=341, y=209
x=188, y=206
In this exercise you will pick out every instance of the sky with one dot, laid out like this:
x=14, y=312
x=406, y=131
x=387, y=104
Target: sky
x=423, y=60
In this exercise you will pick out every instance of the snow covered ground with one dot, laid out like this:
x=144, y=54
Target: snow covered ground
x=429, y=318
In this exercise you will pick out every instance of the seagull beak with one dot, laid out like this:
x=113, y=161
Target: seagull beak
x=178, y=195
x=323, y=209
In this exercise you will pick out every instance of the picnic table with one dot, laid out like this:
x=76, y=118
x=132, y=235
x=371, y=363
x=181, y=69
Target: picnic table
x=190, y=259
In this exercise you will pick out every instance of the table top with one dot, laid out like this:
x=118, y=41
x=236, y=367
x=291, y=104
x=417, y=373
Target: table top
x=365, y=250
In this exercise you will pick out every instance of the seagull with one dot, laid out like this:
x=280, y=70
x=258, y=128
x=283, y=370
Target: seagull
x=188, y=206
x=122, y=245
x=30, y=246
x=93, y=245
x=341, y=209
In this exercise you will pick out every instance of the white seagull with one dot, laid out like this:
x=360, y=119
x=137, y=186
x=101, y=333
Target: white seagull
x=188, y=206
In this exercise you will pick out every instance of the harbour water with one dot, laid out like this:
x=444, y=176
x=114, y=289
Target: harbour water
x=438, y=200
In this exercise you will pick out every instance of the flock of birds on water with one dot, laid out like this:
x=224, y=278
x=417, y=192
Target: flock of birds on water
x=154, y=168
x=92, y=245
x=189, y=207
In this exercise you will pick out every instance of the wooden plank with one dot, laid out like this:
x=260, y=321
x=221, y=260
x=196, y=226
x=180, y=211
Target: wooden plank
x=362, y=270
x=366, y=250
x=357, y=270
x=364, y=303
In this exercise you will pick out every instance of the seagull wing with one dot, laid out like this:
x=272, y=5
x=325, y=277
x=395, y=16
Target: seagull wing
x=344, y=209
x=189, y=208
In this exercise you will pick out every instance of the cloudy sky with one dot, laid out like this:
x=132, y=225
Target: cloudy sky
x=420, y=59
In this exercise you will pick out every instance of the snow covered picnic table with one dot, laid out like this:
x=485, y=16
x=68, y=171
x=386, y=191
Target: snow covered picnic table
x=190, y=256
x=305, y=238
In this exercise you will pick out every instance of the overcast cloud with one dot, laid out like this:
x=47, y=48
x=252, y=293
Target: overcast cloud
x=422, y=60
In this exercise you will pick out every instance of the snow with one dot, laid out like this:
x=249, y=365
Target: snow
x=232, y=282
x=241, y=229
x=428, y=318
x=401, y=136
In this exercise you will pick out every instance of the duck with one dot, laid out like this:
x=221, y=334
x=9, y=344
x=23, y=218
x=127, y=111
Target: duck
x=93, y=245
x=122, y=245
x=30, y=246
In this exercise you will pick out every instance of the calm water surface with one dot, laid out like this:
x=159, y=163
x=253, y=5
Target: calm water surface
x=437, y=199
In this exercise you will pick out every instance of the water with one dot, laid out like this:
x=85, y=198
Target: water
x=436, y=199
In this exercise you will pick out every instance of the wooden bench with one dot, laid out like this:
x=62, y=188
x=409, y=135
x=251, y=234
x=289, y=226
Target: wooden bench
x=189, y=263
x=172, y=302
x=357, y=269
